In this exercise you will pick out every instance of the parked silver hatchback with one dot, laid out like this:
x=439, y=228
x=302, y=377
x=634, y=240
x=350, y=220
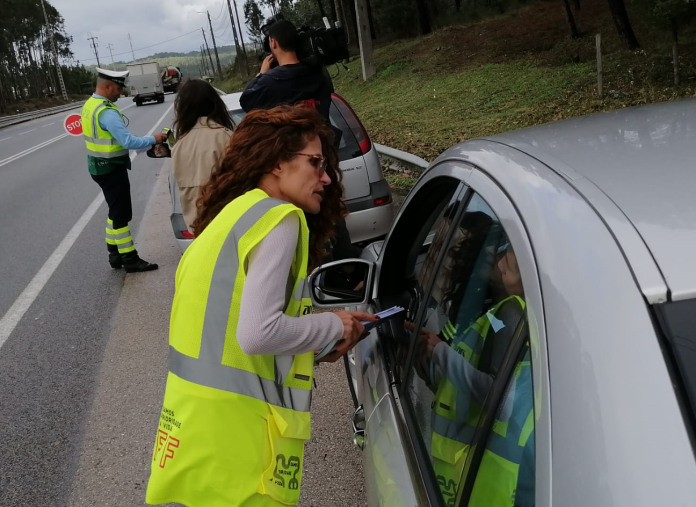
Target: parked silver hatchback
x=547, y=355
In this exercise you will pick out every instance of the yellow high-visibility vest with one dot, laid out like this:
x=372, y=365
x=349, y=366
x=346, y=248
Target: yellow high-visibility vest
x=104, y=153
x=233, y=426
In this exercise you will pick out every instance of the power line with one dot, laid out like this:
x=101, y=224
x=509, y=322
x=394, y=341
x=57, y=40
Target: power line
x=222, y=6
x=144, y=47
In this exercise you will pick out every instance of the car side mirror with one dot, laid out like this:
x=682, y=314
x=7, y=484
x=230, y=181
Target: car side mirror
x=341, y=283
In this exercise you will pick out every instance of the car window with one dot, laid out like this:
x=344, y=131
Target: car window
x=505, y=475
x=474, y=309
x=678, y=323
x=404, y=255
x=237, y=116
x=348, y=147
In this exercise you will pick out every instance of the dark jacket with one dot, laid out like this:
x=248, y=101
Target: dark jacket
x=288, y=84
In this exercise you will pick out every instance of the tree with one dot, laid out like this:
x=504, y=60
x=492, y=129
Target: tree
x=27, y=66
x=623, y=24
x=423, y=17
x=254, y=20
x=570, y=19
x=673, y=14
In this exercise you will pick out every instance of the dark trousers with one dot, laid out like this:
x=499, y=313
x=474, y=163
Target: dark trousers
x=116, y=188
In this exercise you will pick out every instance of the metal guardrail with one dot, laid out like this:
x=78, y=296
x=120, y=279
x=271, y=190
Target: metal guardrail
x=401, y=159
x=6, y=121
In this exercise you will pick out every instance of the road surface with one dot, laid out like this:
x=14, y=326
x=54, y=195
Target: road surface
x=83, y=348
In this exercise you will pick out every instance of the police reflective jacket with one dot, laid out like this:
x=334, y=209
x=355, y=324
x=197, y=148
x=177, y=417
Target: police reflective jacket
x=233, y=426
x=104, y=153
x=456, y=415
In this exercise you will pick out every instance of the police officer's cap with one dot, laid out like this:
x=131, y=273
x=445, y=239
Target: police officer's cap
x=118, y=77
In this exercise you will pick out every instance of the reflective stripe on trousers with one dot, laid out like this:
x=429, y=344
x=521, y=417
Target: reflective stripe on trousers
x=207, y=369
x=120, y=237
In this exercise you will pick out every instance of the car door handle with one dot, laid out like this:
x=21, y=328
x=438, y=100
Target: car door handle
x=358, y=424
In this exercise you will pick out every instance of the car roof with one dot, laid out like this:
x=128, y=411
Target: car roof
x=642, y=159
x=231, y=100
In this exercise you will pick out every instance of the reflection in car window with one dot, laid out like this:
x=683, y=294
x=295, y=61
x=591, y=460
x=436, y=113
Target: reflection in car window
x=475, y=309
x=237, y=116
x=348, y=147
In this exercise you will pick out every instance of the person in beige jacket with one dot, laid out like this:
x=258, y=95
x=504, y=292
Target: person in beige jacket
x=203, y=131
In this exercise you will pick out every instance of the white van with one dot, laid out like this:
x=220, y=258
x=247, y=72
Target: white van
x=145, y=82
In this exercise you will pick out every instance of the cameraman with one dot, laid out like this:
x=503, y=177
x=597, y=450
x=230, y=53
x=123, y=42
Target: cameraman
x=284, y=79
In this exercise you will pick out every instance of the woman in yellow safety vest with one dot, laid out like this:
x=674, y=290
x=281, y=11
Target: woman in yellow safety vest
x=235, y=415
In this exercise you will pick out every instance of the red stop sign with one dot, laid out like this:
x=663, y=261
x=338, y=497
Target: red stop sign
x=73, y=125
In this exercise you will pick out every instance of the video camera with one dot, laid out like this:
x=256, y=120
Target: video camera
x=315, y=46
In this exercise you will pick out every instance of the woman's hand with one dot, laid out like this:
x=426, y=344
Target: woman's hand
x=353, y=330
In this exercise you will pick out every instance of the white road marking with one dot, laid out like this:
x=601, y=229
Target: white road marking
x=26, y=132
x=5, y=138
x=42, y=126
x=45, y=143
x=31, y=292
x=31, y=150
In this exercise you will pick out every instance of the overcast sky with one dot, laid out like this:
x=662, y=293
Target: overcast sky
x=148, y=22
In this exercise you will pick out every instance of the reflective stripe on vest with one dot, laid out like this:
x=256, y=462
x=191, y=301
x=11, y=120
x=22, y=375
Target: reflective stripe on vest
x=100, y=143
x=208, y=369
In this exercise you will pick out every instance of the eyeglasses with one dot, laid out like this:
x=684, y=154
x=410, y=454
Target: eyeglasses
x=318, y=162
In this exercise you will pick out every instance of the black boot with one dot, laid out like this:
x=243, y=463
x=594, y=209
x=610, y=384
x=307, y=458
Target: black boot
x=114, y=256
x=134, y=264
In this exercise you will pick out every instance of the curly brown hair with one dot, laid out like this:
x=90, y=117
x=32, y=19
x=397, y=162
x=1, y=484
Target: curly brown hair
x=262, y=140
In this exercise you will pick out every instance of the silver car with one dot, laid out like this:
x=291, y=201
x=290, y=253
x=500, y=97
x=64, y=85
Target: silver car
x=547, y=353
x=366, y=193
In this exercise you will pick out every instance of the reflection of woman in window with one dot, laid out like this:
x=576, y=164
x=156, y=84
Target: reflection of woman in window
x=473, y=255
x=461, y=376
x=458, y=266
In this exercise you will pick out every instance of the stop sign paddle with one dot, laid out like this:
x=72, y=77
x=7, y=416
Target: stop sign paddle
x=73, y=125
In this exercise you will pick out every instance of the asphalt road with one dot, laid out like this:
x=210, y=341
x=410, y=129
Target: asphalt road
x=83, y=348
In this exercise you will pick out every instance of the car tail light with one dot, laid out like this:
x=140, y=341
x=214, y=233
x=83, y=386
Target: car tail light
x=381, y=201
x=353, y=122
x=187, y=235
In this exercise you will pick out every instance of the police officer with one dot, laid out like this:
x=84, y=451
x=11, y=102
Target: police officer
x=108, y=142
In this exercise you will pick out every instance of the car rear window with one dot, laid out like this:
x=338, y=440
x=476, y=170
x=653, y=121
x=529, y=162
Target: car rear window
x=349, y=146
x=678, y=321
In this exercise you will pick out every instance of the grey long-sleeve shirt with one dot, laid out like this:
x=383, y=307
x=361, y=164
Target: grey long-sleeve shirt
x=263, y=328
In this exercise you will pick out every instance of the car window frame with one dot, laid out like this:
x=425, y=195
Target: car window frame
x=479, y=183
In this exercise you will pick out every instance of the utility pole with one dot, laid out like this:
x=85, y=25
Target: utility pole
x=241, y=37
x=55, y=54
x=368, y=63
x=94, y=46
x=234, y=30
x=131, y=45
x=205, y=70
x=212, y=36
x=111, y=51
x=212, y=67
